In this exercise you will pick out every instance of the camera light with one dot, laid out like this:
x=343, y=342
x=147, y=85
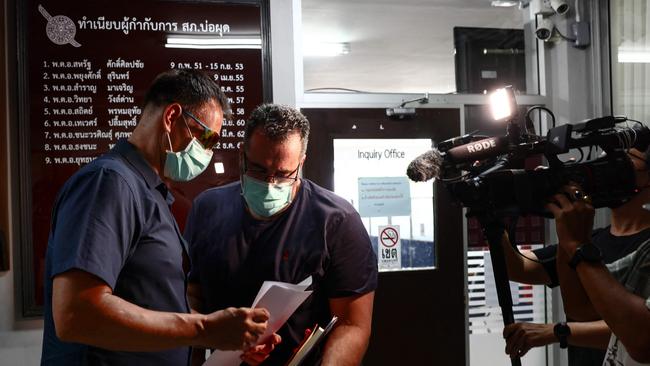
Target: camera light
x=504, y=3
x=502, y=103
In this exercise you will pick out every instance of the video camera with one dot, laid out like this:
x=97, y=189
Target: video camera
x=487, y=174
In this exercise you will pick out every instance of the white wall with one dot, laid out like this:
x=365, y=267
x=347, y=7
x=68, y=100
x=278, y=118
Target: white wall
x=286, y=54
x=403, y=46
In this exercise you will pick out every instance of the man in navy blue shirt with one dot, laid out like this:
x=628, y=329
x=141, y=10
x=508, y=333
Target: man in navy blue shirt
x=116, y=262
x=273, y=225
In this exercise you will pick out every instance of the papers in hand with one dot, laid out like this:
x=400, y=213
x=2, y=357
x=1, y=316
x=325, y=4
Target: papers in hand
x=310, y=342
x=281, y=300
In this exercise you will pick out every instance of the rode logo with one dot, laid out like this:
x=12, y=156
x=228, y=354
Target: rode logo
x=481, y=145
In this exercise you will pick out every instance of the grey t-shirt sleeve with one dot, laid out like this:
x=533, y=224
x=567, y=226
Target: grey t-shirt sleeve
x=620, y=268
x=633, y=271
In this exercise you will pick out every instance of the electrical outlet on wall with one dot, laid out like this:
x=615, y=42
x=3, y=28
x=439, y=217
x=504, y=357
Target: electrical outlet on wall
x=581, y=34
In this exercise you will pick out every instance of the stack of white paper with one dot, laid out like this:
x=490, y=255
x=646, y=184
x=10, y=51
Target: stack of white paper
x=281, y=300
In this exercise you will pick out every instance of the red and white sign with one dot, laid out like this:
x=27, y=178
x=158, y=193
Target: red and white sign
x=389, y=254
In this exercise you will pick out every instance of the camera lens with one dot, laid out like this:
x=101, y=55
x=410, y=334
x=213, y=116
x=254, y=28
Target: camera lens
x=543, y=33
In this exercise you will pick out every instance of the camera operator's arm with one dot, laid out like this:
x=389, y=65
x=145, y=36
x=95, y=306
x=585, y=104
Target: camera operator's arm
x=573, y=223
x=627, y=314
x=521, y=337
x=522, y=266
x=577, y=304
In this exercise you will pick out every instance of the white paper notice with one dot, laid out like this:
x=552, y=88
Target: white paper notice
x=281, y=300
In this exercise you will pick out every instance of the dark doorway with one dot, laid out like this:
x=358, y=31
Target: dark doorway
x=489, y=58
x=419, y=316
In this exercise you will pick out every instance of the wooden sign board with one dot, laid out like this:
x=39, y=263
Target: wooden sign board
x=83, y=70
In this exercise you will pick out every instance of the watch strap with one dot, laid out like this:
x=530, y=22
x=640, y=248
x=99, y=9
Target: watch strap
x=586, y=253
x=562, y=331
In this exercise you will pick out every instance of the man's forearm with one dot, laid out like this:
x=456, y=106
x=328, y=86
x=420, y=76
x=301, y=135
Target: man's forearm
x=86, y=311
x=520, y=266
x=346, y=346
x=626, y=314
x=195, y=300
x=589, y=334
x=521, y=337
x=577, y=304
x=115, y=324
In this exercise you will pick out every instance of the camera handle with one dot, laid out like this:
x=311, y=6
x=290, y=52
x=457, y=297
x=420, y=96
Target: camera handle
x=493, y=230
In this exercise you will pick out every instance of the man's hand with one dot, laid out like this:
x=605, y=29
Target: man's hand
x=574, y=219
x=521, y=337
x=257, y=354
x=233, y=329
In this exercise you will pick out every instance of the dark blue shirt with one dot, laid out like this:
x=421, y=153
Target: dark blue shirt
x=112, y=220
x=320, y=235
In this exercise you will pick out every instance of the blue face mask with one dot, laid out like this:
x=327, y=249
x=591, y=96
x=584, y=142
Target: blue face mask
x=265, y=199
x=187, y=164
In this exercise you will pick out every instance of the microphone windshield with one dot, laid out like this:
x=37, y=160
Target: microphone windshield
x=425, y=166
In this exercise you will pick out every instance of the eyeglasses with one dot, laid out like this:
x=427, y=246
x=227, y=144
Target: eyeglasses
x=209, y=137
x=261, y=175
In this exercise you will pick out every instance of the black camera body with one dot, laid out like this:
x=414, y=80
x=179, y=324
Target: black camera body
x=609, y=181
x=487, y=174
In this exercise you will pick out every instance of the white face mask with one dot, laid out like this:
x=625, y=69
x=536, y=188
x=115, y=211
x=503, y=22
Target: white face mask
x=185, y=165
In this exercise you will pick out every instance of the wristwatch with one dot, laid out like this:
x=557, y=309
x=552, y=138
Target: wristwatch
x=562, y=331
x=586, y=252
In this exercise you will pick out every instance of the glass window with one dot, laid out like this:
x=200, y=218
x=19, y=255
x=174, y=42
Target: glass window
x=630, y=58
x=397, y=212
x=416, y=46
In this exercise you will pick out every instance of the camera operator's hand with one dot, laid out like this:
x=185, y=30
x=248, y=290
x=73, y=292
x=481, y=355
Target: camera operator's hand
x=574, y=218
x=521, y=337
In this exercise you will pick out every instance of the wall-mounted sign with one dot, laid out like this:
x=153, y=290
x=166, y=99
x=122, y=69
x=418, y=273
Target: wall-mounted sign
x=384, y=196
x=390, y=248
x=84, y=67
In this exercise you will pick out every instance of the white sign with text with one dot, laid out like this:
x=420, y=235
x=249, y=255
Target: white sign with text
x=389, y=249
x=384, y=196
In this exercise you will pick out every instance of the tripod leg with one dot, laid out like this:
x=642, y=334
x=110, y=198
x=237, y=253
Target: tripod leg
x=494, y=234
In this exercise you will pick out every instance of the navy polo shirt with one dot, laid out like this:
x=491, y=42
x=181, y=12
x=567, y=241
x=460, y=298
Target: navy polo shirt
x=112, y=219
x=319, y=235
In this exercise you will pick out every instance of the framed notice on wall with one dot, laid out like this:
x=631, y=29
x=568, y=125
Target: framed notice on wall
x=83, y=69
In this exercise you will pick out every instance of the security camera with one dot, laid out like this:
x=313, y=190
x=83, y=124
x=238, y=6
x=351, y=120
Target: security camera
x=400, y=113
x=545, y=29
x=560, y=6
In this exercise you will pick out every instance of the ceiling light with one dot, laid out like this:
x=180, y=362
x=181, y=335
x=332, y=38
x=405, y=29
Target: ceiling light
x=633, y=55
x=325, y=49
x=504, y=3
x=201, y=42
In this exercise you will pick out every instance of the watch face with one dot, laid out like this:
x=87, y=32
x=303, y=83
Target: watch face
x=563, y=330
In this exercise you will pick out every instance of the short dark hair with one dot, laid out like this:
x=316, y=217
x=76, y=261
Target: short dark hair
x=191, y=88
x=277, y=122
